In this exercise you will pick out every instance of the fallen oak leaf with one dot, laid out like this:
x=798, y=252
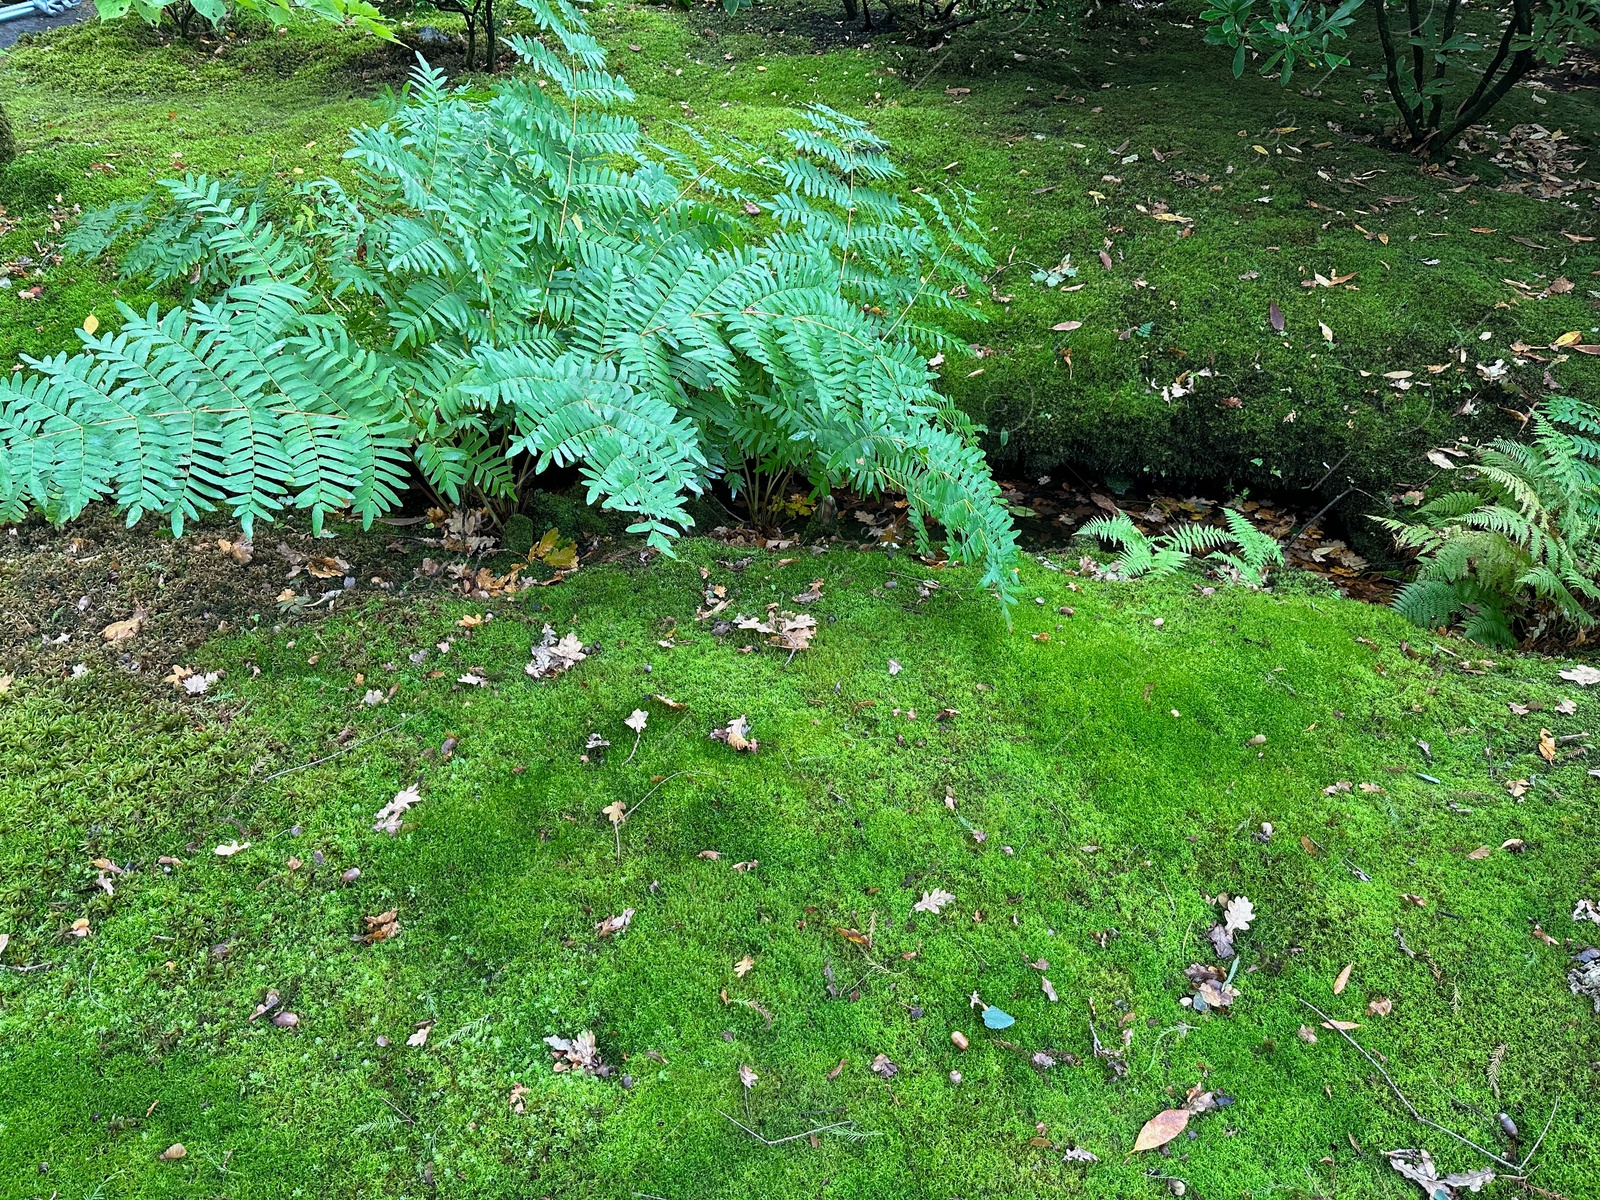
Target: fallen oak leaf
x=1238, y=915
x=933, y=901
x=391, y=815
x=380, y=927
x=614, y=925
x=735, y=735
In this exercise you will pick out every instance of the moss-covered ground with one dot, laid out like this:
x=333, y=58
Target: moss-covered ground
x=1108, y=774
x=1076, y=138
x=1112, y=764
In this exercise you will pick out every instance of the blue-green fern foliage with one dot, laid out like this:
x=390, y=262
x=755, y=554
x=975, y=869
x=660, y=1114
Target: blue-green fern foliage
x=516, y=282
x=1517, y=540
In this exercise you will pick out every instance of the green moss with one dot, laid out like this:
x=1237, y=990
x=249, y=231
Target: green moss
x=1107, y=819
x=101, y=111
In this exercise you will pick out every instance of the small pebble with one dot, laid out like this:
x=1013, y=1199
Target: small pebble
x=955, y=1076
x=1159, y=622
x=1065, y=611
x=960, y=1040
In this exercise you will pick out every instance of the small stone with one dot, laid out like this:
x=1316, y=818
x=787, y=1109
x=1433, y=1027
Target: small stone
x=960, y=1039
x=955, y=1076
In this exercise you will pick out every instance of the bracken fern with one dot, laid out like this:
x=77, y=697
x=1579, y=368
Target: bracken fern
x=518, y=282
x=1520, y=539
x=1254, y=554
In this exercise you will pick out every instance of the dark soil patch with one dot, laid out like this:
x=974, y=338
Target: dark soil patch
x=60, y=588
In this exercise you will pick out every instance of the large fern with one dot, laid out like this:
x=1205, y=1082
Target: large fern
x=1520, y=540
x=518, y=282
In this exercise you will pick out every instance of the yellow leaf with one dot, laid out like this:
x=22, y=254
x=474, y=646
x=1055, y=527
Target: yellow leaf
x=1259, y=149
x=91, y=323
x=1566, y=339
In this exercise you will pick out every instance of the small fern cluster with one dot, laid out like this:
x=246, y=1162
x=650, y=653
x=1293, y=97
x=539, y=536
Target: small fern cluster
x=1252, y=555
x=518, y=282
x=1518, y=542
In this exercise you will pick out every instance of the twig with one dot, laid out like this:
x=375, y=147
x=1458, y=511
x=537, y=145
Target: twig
x=317, y=762
x=404, y=1115
x=629, y=812
x=1523, y=1165
x=791, y=1138
x=1411, y=1108
x=1322, y=512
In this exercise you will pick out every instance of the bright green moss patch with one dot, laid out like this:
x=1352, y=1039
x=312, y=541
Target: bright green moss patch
x=1106, y=819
